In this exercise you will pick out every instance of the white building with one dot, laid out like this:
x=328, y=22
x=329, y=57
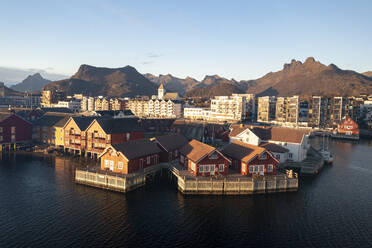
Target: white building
x=75, y=106
x=292, y=139
x=239, y=106
x=165, y=105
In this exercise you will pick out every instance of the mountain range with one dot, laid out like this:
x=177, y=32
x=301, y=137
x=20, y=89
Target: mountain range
x=32, y=83
x=296, y=78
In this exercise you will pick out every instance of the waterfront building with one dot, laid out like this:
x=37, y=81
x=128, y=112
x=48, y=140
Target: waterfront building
x=170, y=145
x=293, y=139
x=14, y=129
x=318, y=112
x=130, y=157
x=103, y=132
x=337, y=110
x=59, y=134
x=203, y=160
x=250, y=159
x=266, y=109
x=348, y=127
x=75, y=135
x=278, y=151
x=43, y=130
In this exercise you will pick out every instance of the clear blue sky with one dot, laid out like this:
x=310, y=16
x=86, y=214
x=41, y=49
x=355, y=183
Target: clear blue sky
x=235, y=39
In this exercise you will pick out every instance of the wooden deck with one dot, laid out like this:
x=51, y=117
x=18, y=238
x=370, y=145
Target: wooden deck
x=233, y=184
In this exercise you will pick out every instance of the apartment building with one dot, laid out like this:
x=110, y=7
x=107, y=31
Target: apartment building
x=337, y=110
x=318, y=112
x=292, y=109
x=281, y=109
x=266, y=108
x=49, y=97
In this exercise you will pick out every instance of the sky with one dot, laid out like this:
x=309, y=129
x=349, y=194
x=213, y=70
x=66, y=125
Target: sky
x=234, y=39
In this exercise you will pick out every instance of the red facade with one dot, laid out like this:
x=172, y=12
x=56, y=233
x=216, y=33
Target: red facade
x=14, y=129
x=213, y=164
x=118, y=138
x=348, y=127
x=264, y=164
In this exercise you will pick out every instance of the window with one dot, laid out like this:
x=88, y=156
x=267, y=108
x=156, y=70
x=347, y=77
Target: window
x=111, y=163
x=13, y=137
x=1, y=129
x=148, y=159
x=120, y=165
x=100, y=135
x=263, y=156
x=221, y=167
x=213, y=156
x=251, y=169
x=243, y=168
x=107, y=163
x=261, y=168
x=201, y=168
x=277, y=156
x=193, y=166
x=13, y=129
x=270, y=168
x=256, y=168
x=181, y=159
x=290, y=155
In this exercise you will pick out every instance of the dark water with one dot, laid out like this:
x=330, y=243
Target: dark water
x=40, y=206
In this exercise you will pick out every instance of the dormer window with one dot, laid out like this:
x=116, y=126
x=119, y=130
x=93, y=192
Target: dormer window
x=263, y=156
x=213, y=156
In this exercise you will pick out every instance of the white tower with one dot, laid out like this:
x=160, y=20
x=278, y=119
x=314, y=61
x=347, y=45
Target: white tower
x=161, y=91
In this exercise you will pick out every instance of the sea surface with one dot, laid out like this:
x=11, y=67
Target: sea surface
x=41, y=206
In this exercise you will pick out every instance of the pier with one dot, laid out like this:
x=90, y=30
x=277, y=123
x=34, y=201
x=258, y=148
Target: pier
x=233, y=184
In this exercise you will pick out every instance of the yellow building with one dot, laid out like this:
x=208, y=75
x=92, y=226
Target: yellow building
x=59, y=137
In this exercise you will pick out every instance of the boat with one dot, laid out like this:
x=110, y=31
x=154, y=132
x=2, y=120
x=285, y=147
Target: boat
x=326, y=154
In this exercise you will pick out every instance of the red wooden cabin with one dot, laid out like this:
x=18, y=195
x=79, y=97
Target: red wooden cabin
x=203, y=160
x=250, y=159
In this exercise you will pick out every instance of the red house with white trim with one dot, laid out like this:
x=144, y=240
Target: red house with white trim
x=250, y=159
x=130, y=156
x=203, y=160
x=348, y=127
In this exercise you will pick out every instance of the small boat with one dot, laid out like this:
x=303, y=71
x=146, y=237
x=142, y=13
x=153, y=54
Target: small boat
x=327, y=156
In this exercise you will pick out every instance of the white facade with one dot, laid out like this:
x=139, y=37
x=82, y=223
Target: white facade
x=156, y=108
x=236, y=107
x=73, y=105
x=297, y=151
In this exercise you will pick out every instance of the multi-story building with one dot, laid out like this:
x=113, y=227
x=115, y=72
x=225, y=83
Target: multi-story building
x=318, y=112
x=50, y=97
x=14, y=130
x=266, y=108
x=337, y=110
x=280, y=110
x=43, y=130
x=75, y=106
x=292, y=109
x=163, y=106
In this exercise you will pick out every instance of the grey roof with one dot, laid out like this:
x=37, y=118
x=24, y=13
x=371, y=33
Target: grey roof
x=120, y=125
x=62, y=122
x=172, y=141
x=83, y=122
x=113, y=112
x=48, y=120
x=57, y=110
x=137, y=148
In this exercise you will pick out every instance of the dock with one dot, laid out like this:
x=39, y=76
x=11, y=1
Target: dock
x=115, y=181
x=233, y=184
